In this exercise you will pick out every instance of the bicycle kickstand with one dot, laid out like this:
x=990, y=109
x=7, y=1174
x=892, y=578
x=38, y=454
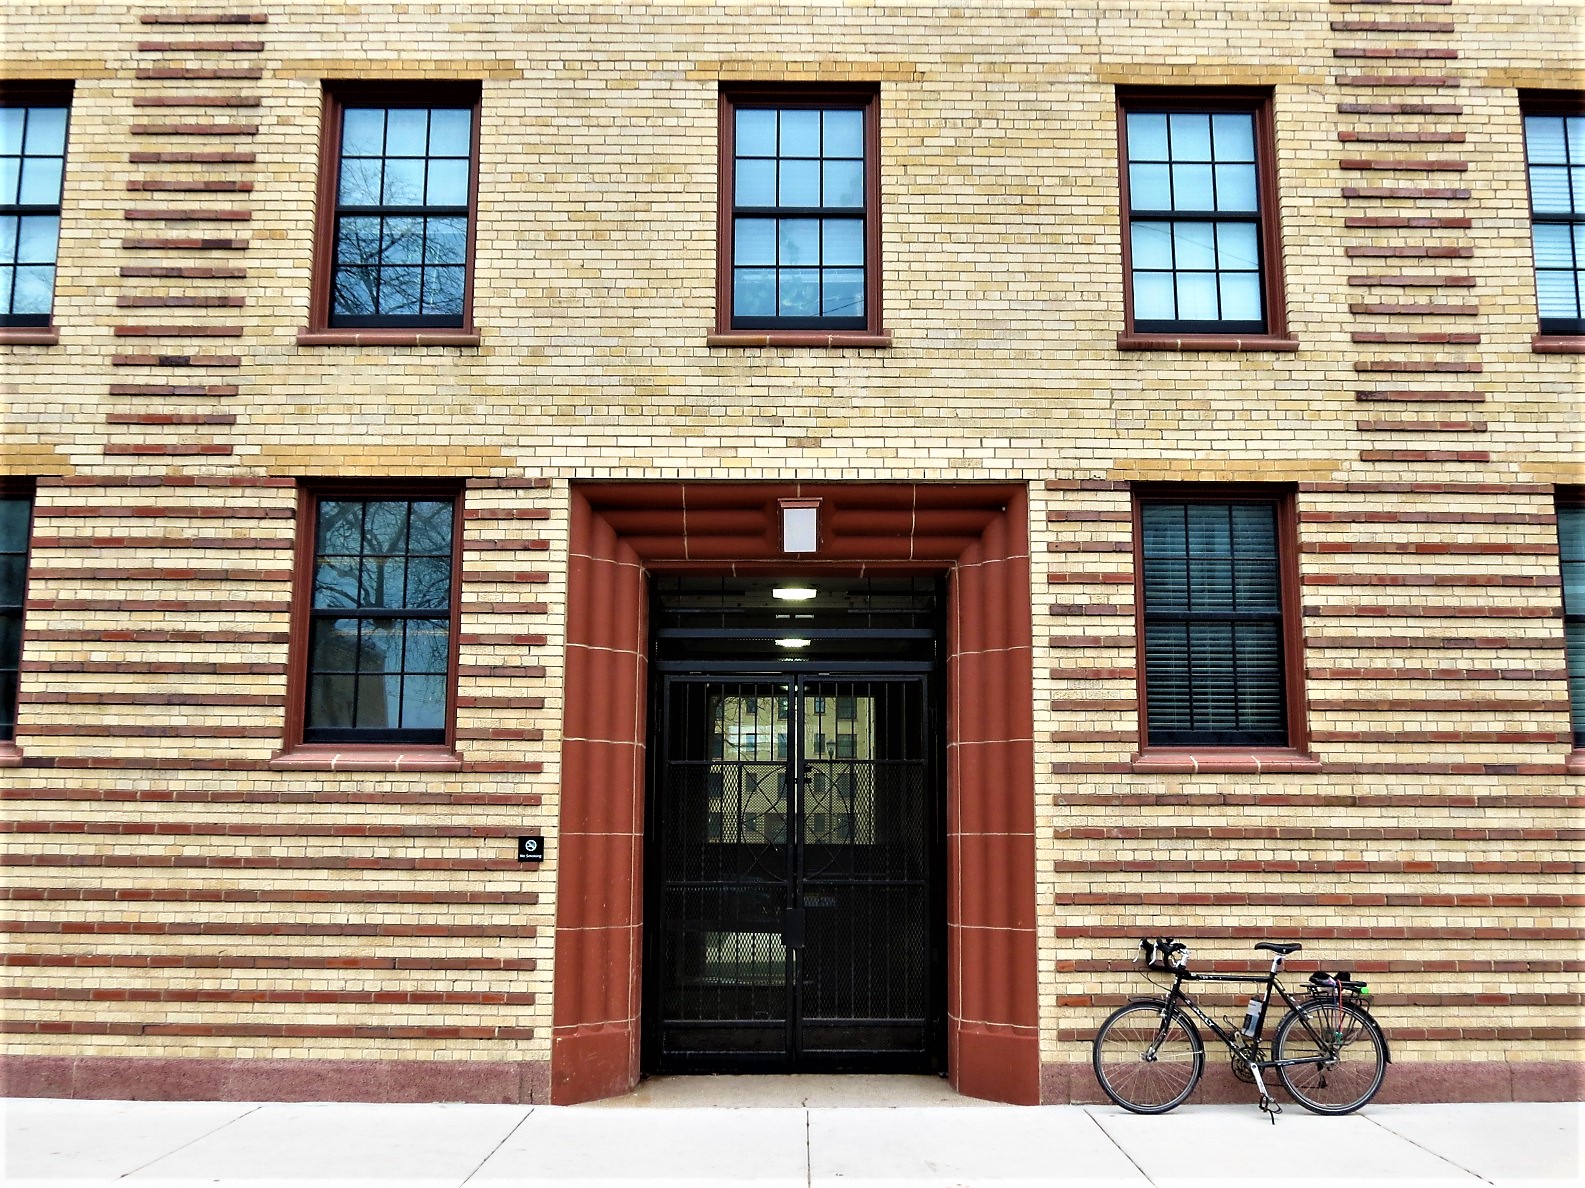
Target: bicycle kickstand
x=1271, y=1108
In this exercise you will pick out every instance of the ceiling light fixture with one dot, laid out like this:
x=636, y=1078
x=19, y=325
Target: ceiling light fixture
x=794, y=593
x=792, y=642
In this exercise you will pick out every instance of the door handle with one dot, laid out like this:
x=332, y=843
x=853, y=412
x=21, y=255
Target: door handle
x=794, y=933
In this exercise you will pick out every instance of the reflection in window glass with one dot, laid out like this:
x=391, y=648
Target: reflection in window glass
x=32, y=166
x=1555, y=155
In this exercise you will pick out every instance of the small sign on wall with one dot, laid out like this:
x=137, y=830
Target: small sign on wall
x=531, y=849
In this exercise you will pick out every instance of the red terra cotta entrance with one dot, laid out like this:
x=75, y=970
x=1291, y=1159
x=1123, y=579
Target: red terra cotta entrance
x=976, y=534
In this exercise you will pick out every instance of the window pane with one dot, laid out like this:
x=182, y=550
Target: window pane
x=428, y=583
x=336, y=582
x=335, y=646
x=843, y=242
x=46, y=132
x=423, y=703
x=800, y=133
x=1240, y=293
x=354, y=292
x=798, y=241
x=1210, y=530
x=10, y=179
x=358, y=239
x=800, y=183
x=406, y=132
x=450, y=132
x=427, y=646
x=1191, y=136
x=448, y=183
x=1197, y=297
x=404, y=182
x=429, y=527
x=36, y=239
x=1150, y=187
x=1557, y=294
x=800, y=293
x=1165, y=530
x=442, y=291
x=1147, y=136
x=1577, y=188
x=1153, y=296
x=844, y=133
x=755, y=183
x=1151, y=244
x=402, y=241
x=330, y=702
x=754, y=292
x=1235, y=187
x=340, y=527
x=1167, y=677
x=445, y=241
x=1233, y=136
x=843, y=184
x=1195, y=244
x=1543, y=140
x=13, y=573
x=360, y=182
x=1259, y=692
x=843, y=295
x=1212, y=692
x=1237, y=246
x=378, y=699
x=382, y=582
x=1571, y=546
x=41, y=181
x=755, y=133
x=1191, y=188
x=34, y=290
x=754, y=241
x=362, y=132
x=1549, y=189
x=7, y=277
x=11, y=121
x=380, y=646
x=399, y=290
x=8, y=238
x=1553, y=246
x=14, y=515
x=1166, y=584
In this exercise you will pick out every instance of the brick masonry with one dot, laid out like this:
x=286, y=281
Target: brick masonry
x=172, y=896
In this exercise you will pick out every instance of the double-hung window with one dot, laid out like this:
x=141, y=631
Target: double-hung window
x=800, y=226
x=32, y=166
x=380, y=617
x=397, y=201
x=1571, y=557
x=1554, y=141
x=1215, y=620
x=16, y=517
x=1201, y=248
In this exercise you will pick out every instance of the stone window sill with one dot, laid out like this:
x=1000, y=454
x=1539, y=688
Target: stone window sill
x=461, y=337
x=799, y=338
x=29, y=335
x=1575, y=763
x=351, y=757
x=10, y=754
x=1558, y=344
x=1223, y=761
x=1205, y=342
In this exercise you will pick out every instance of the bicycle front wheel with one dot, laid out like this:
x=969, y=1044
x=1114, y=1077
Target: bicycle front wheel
x=1344, y=1055
x=1146, y=1060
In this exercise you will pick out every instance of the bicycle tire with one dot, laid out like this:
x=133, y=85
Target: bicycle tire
x=1137, y=1073
x=1351, y=1052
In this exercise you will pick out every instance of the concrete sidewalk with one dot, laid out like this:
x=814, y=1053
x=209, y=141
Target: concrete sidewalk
x=656, y=1137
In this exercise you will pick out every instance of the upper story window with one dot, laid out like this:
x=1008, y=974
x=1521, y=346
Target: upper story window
x=32, y=165
x=1554, y=141
x=1218, y=634
x=800, y=233
x=380, y=618
x=1201, y=248
x=397, y=208
x=16, y=516
x=1571, y=556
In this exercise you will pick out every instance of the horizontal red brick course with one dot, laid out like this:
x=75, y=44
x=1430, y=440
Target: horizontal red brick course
x=1443, y=673
x=503, y=640
x=116, y=481
x=175, y=543
x=95, y=729
x=249, y=962
x=196, y=606
x=272, y=997
x=169, y=331
x=1420, y=426
x=1411, y=737
x=176, y=360
x=1350, y=642
x=1415, y=192
x=1321, y=833
x=503, y=703
x=184, y=243
x=224, y=700
x=243, y=18
x=1393, y=26
x=525, y=545
x=1434, y=338
x=1410, y=166
x=1412, y=396
x=1118, y=672
x=269, y=862
x=1431, y=548
x=1416, y=109
x=1415, y=250
x=504, y=608
x=501, y=670
x=183, y=794
x=183, y=214
x=145, y=157
x=1424, y=611
x=197, y=101
x=1085, y=578
x=179, y=300
x=1424, y=455
x=154, y=449
x=173, y=389
x=1397, y=80
x=1375, y=516
x=507, y=484
x=205, y=72
x=1416, y=52
x=1091, y=608
x=266, y=1030
x=194, y=129
x=1478, y=580
x=142, y=665
x=1419, y=365
x=1412, y=281
x=118, y=511
x=170, y=419
x=504, y=513
x=1445, y=222
x=1315, y=930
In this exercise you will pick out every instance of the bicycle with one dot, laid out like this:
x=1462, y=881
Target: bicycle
x=1328, y=1052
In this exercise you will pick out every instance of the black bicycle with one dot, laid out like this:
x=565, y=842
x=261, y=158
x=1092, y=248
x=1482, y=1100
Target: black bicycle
x=1327, y=1051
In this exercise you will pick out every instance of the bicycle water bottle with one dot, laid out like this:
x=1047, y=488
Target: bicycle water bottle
x=1252, y=1015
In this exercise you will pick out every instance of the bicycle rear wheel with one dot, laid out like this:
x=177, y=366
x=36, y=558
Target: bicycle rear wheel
x=1346, y=1057
x=1148, y=1061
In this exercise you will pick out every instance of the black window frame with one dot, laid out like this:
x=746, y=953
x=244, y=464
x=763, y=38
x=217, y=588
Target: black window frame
x=1563, y=106
x=33, y=97
x=1571, y=505
x=736, y=97
x=1210, y=101
x=339, y=98
x=1290, y=733
x=13, y=610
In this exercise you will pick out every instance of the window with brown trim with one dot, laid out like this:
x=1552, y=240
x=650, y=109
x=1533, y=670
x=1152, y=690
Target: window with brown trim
x=376, y=616
x=1218, y=620
x=1202, y=254
x=394, y=239
x=799, y=233
x=1571, y=561
x=33, y=122
x=16, y=520
x=1554, y=142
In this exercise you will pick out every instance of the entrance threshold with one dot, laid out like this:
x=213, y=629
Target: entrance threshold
x=789, y=1091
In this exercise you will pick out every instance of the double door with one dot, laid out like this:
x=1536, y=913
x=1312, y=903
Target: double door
x=794, y=908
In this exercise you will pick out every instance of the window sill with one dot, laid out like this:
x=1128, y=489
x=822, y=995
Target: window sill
x=29, y=335
x=1223, y=761
x=1575, y=763
x=351, y=757
x=1205, y=342
x=799, y=338
x=1558, y=344
x=10, y=755
x=460, y=337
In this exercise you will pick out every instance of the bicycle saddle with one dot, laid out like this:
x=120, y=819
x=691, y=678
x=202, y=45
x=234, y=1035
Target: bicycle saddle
x=1282, y=950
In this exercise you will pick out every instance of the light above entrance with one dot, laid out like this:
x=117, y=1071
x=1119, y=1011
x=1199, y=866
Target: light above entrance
x=794, y=593
x=792, y=642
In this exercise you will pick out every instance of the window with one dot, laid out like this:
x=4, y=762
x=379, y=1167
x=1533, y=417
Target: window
x=1571, y=556
x=1201, y=250
x=800, y=227
x=396, y=208
x=16, y=515
x=32, y=165
x=1220, y=663
x=380, y=618
x=1554, y=142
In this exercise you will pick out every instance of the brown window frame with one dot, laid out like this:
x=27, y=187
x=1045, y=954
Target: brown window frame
x=32, y=329
x=338, y=96
x=1292, y=752
x=298, y=751
x=1257, y=101
x=1551, y=340
x=727, y=331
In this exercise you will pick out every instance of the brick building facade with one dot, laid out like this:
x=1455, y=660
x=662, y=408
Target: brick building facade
x=1229, y=349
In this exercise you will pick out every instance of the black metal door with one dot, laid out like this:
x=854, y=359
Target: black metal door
x=795, y=842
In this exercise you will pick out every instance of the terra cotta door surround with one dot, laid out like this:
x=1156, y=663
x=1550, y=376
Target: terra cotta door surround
x=978, y=535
